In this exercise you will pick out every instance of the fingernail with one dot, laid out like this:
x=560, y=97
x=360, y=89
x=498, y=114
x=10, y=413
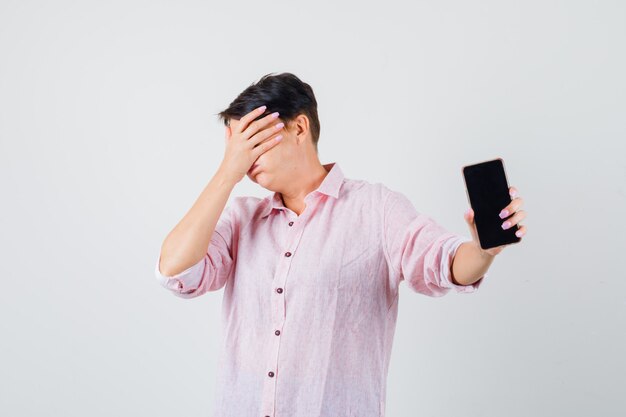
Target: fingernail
x=504, y=213
x=506, y=225
x=513, y=193
x=519, y=233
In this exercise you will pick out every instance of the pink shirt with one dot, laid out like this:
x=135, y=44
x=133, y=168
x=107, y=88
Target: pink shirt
x=310, y=302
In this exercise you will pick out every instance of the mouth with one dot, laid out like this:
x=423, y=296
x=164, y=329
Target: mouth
x=253, y=168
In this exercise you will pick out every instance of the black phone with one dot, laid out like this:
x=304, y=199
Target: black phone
x=488, y=193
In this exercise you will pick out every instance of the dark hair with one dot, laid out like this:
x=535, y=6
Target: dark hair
x=284, y=93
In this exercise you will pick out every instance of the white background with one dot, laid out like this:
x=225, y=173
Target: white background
x=108, y=134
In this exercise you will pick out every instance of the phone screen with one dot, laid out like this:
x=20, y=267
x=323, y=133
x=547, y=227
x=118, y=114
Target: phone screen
x=488, y=193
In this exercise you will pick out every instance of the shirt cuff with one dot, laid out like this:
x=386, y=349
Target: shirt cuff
x=184, y=282
x=449, y=248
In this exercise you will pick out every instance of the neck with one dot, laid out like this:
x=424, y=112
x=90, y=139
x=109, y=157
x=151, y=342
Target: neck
x=304, y=182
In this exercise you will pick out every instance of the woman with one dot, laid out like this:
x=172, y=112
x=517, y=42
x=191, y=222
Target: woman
x=311, y=272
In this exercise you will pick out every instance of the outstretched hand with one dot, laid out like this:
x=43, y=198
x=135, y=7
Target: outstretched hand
x=512, y=207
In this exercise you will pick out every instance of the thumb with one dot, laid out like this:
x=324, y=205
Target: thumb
x=469, y=216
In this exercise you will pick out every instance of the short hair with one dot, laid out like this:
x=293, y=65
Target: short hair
x=284, y=93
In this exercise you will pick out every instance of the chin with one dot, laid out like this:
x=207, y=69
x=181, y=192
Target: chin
x=254, y=178
x=262, y=179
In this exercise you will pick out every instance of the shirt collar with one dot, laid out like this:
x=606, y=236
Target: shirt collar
x=330, y=186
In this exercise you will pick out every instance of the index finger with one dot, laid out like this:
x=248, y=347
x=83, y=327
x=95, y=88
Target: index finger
x=249, y=117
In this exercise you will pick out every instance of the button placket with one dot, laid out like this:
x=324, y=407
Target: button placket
x=278, y=305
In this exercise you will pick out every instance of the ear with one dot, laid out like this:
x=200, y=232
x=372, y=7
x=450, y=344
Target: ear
x=301, y=123
x=227, y=132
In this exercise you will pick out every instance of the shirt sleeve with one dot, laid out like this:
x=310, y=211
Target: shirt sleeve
x=212, y=271
x=419, y=250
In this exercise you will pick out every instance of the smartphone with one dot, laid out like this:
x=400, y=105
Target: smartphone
x=488, y=193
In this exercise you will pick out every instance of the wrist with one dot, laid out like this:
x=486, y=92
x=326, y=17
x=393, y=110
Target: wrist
x=483, y=252
x=224, y=178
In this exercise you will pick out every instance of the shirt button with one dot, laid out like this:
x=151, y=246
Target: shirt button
x=279, y=290
x=288, y=254
x=270, y=373
x=290, y=223
x=277, y=332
